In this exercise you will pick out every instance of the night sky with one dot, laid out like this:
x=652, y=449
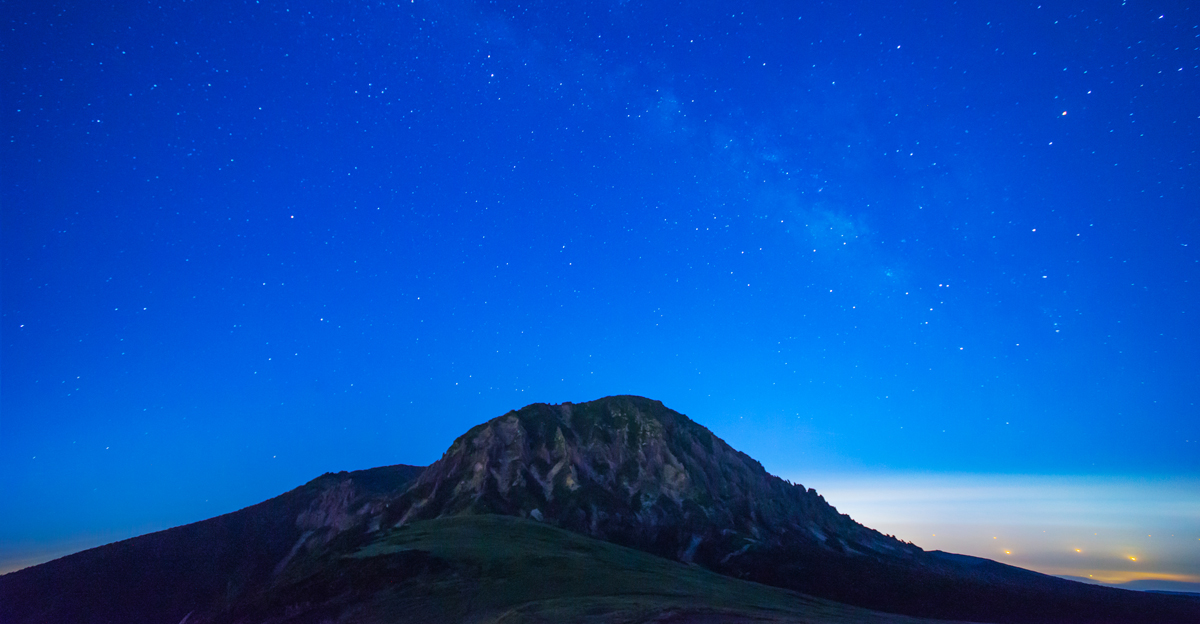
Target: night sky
x=907, y=248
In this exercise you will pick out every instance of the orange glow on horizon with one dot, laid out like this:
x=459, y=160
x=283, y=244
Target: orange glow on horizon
x=1117, y=577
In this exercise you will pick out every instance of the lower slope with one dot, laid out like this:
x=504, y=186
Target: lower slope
x=493, y=569
x=203, y=566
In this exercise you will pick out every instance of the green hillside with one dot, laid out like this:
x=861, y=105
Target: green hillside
x=485, y=569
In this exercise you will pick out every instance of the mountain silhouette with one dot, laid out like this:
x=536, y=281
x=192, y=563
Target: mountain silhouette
x=591, y=491
x=628, y=470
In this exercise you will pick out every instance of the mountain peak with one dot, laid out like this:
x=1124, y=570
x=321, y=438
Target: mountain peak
x=630, y=470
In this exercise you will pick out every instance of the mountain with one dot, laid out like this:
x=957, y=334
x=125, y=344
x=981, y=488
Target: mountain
x=318, y=555
x=630, y=471
x=553, y=513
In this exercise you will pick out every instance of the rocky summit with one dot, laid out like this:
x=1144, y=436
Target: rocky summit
x=629, y=470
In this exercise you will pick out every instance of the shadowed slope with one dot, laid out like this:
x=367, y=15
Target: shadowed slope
x=210, y=564
x=501, y=569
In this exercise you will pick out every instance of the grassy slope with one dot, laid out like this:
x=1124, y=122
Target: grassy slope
x=499, y=569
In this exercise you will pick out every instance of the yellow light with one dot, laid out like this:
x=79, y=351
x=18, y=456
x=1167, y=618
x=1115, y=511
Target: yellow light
x=1077, y=550
x=1008, y=552
x=1133, y=558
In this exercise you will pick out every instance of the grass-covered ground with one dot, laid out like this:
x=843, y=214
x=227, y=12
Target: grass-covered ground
x=502, y=569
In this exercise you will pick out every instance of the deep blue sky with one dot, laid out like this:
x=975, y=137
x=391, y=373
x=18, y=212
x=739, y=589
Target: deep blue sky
x=245, y=243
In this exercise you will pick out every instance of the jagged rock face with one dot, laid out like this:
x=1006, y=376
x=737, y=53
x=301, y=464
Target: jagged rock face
x=629, y=470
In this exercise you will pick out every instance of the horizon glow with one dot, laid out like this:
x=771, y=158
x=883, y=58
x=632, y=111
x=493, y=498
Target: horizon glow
x=1107, y=529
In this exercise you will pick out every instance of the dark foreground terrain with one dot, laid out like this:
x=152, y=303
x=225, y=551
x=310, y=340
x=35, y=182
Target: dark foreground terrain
x=615, y=510
x=479, y=569
x=504, y=569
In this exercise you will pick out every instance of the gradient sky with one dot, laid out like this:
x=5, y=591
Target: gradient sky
x=245, y=243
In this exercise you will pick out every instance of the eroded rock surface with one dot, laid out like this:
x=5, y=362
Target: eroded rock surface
x=629, y=470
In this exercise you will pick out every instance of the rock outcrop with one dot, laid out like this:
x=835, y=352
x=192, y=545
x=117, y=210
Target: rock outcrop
x=629, y=470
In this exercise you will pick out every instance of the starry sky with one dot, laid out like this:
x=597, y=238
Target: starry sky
x=948, y=247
